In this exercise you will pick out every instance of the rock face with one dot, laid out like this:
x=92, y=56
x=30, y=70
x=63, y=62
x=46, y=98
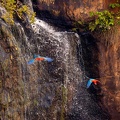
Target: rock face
x=101, y=60
x=72, y=9
x=57, y=90
x=109, y=67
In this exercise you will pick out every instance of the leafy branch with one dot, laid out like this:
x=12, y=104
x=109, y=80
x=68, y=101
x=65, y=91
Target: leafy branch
x=114, y=5
x=16, y=8
x=103, y=20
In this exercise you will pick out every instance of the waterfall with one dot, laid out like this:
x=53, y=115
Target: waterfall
x=63, y=71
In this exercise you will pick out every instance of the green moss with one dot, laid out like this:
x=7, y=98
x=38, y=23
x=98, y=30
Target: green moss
x=35, y=102
x=64, y=101
x=16, y=8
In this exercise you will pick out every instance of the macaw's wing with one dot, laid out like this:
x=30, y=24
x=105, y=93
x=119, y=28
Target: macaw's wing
x=89, y=83
x=48, y=59
x=31, y=61
x=36, y=56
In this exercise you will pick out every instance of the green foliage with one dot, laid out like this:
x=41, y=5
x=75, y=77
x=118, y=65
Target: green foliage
x=16, y=8
x=78, y=24
x=64, y=100
x=74, y=29
x=103, y=20
x=114, y=5
x=100, y=20
x=118, y=22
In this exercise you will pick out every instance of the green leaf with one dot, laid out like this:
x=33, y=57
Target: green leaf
x=92, y=26
x=96, y=21
x=74, y=29
x=91, y=14
x=80, y=22
x=118, y=22
x=112, y=5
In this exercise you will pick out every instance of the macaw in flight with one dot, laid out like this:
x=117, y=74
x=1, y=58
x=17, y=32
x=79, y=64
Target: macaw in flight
x=39, y=58
x=94, y=81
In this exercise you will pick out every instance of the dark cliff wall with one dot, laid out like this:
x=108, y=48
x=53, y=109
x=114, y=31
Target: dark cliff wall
x=107, y=64
x=101, y=59
x=109, y=69
x=16, y=79
x=72, y=9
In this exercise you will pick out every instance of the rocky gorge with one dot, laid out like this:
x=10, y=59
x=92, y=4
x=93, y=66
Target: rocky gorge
x=57, y=90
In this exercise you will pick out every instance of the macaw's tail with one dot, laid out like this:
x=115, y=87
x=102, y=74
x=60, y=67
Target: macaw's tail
x=96, y=82
x=48, y=59
x=31, y=61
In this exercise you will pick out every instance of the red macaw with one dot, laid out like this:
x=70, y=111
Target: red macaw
x=39, y=58
x=90, y=81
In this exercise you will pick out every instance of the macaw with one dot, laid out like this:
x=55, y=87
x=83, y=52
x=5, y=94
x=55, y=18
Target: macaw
x=39, y=58
x=94, y=81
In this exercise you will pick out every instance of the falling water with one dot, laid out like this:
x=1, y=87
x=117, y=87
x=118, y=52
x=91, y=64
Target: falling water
x=63, y=71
